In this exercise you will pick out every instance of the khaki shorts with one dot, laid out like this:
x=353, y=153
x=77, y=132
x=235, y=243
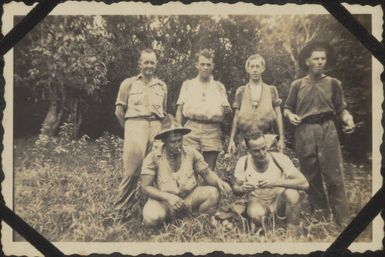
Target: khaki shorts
x=204, y=137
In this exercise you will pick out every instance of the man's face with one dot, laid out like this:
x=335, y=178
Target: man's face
x=204, y=66
x=255, y=68
x=173, y=143
x=147, y=64
x=317, y=62
x=258, y=149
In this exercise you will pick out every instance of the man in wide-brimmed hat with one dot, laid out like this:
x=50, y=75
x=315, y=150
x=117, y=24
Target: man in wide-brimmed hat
x=312, y=104
x=169, y=178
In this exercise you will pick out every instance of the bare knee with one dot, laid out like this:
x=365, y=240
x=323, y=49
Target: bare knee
x=256, y=212
x=213, y=194
x=153, y=216
x=292, y=196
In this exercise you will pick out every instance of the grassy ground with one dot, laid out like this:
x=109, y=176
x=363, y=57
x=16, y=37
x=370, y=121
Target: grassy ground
x=65, y=190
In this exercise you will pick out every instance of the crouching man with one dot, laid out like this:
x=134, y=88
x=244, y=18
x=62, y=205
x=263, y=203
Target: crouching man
x=270, y=181
x=169, y=178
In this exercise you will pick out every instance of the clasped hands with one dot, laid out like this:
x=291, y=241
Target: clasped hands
x=247, y=187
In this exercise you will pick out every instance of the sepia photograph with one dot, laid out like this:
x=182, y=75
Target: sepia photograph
x=191, y=128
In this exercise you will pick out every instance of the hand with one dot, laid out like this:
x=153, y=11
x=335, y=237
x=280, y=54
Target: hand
x=281, y=144
x=232, y=147
x=266, y=183
x=175, y=202
x=224, y=187
x=294, y=119
x=247, y=187
x=349, y=126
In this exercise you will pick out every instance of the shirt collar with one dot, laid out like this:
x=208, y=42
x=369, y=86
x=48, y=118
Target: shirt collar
x=311, y=79
x=154, y=81
x=210, y=80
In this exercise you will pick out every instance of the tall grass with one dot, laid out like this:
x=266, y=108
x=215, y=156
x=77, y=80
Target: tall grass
x=65, y=189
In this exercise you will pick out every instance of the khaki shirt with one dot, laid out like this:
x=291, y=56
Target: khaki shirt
x=142, y=100
x=181, y=182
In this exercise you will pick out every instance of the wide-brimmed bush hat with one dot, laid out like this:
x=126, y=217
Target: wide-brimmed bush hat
x=170, y=124
x=309, y=48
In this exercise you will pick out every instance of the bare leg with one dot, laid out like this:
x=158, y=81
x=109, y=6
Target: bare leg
x=205, y=199
x=211, y=158
x=288, y=205
x=154, y=213
x=256, y=211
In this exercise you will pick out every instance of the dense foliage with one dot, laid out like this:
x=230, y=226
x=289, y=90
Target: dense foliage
x=69, y=68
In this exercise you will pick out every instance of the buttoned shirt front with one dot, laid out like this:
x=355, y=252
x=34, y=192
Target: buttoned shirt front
x=142, y=99
x=180, y=182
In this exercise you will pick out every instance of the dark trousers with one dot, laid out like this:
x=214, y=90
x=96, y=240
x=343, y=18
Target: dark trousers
x=319, y=153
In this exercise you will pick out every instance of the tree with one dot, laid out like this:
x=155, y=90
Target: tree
x=64, y=62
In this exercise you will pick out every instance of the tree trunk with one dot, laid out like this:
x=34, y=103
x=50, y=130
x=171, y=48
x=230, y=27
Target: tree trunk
x=77, y=118
x=54, y=115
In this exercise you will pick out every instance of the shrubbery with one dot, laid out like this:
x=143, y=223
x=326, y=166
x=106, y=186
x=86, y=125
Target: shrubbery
x=65, y=189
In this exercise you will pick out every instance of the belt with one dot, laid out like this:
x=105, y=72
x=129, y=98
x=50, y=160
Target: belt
x=205, y=121
x=149, y=118
x=318, y=118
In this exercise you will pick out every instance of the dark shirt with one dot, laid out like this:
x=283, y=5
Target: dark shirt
x=309, y=97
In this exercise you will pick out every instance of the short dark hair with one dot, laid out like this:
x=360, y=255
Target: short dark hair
x=207, y=53
x=252, y=136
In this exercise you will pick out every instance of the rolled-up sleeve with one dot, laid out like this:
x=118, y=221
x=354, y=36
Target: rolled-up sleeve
x=123, y=93
x=338, y=97
x=276, y=101
x=149, y=165
x=291, y=100
x=222, y=90
x=182, y=95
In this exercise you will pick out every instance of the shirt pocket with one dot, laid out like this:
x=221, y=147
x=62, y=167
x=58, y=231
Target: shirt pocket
x=157, y=98
x=136, y=98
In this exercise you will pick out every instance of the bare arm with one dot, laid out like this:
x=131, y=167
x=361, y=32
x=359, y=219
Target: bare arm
x=237, y=187
x=279, y=121
x=234, y=131
x=213, y=179
x=293, y=118
x=241, y=187
x=174, y=201
x=348, y=121
x=179, y=113
x=120, y=113
x=298, y=182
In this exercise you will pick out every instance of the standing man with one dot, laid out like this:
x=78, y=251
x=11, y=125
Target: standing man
x=270, y=181
x=203, y=102
x=140, y=107
x=256, y=105
x=311, y=106
x=169, y=178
